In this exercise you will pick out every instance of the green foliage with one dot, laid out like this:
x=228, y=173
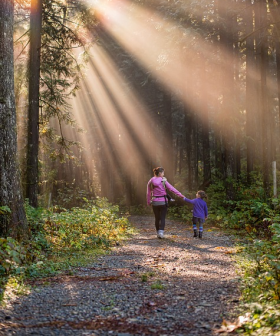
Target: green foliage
x=146, y=276
x=249, y=211
x=180, y=212
x=71, y=196
x=79, y=228
x=265, y=272
x=65, y=28
x=157, y=285
x=4, y=210
x=258, y=218
x=261, y=285
x=260, y=288
x=12, y=256
x=57, y=233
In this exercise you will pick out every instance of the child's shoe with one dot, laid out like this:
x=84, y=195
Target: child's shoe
x=160, y=234
x=195, y=233
x=200, y=234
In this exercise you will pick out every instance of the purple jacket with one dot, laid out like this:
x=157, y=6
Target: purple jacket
x=199, y=207
x=158, y=190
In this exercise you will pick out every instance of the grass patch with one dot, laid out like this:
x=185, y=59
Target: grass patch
x=145, y=276
x=157, y=285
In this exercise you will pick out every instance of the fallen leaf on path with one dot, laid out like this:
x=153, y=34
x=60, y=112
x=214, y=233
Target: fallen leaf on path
x=229, y=327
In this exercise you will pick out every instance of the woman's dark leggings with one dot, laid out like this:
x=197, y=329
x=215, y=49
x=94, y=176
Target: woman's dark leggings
x=160, y=213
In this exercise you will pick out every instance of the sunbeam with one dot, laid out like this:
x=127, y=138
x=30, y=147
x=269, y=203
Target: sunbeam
x=178, y=64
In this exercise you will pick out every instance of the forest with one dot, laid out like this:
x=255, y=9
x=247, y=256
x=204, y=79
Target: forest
x=94, y=94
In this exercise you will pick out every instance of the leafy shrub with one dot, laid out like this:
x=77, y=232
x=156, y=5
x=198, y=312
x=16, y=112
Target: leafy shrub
x=249, y=212
x=12, y=255
x=80, y=228
x=261, y=285
x=71, y=196
x=266, y=254
x=180, y=212
x=59, y=231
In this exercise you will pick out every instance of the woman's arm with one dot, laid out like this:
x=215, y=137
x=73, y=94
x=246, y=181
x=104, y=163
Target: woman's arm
x=172, y=189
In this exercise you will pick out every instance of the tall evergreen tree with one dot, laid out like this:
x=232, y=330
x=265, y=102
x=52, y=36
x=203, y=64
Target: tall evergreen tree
x=32, y=174
x=13, y=223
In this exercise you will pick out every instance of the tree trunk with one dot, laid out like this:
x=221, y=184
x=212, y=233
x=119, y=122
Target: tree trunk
x=250, y=92
x=167, y=155
x=205, y=135
x=13, y=224
x=226, y=40
x=265, y=113
x=277, y=47
x=265, y=120
x=189, y=128
x=32, y=174
x=194, y=152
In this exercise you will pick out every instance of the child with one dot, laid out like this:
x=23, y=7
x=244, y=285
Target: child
x=200, y=212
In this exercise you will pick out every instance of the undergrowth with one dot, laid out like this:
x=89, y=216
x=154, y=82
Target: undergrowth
x=259, y=266
x=61, y=239
x=255, y=222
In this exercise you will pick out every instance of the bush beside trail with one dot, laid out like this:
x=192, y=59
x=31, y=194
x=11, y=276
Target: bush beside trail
x=255, y=222
x=60, y=238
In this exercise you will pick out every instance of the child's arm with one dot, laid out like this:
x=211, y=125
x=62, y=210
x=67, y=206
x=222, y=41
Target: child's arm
x=189, y=200
x=206, y=211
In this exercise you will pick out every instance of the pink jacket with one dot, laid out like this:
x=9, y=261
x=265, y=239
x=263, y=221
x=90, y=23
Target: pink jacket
x=158, y=190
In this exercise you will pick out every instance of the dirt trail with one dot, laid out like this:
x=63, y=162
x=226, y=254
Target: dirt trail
x=175, y=286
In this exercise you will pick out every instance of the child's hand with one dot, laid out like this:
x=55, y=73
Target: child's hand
x=206, y=218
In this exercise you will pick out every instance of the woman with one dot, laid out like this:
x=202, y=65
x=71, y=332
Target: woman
x=157, y=197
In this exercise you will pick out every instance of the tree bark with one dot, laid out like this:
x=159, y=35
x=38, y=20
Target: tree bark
x=205, y=135
x=250, y=91
x=15, y=223
x=168, y=155
x=189, y=128
x=226, y=40
x=32, y=173
x=265, y=113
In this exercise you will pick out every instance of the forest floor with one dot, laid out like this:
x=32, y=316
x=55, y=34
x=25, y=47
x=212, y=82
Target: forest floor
x=146, y=286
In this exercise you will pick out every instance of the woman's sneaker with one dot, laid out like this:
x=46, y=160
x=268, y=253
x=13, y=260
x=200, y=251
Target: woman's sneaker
x=200, y=234
x=160, y=234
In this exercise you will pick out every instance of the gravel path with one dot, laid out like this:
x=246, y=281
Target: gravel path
x=175, y=286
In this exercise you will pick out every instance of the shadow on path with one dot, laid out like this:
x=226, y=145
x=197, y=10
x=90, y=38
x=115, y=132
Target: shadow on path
x=174, y=286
